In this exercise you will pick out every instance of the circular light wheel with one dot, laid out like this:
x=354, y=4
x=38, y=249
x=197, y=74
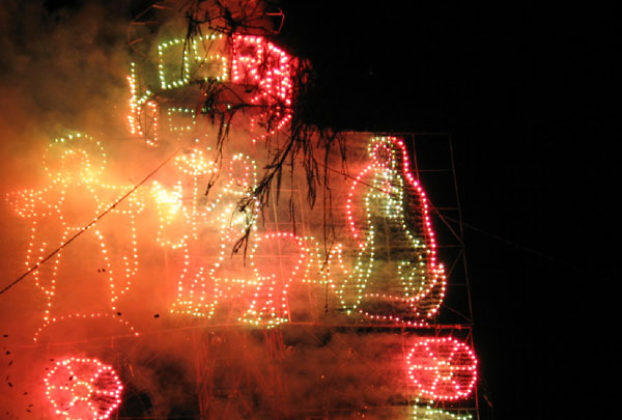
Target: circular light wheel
x=84, y=389
x=443, y=369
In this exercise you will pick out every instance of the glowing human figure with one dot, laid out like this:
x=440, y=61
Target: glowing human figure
x=184, y=227
x=206, y=231
x=229, y=276
x=77, y=277
x=395, y=276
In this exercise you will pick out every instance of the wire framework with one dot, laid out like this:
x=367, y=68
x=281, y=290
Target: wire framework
x=432, y=156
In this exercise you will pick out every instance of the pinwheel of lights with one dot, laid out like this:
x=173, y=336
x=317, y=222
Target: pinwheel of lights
x=442, y=369
x=81, y=388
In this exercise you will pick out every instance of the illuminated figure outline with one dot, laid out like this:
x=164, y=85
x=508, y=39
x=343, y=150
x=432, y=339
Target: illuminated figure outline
x=423, y=286
x=47, y=203
x=199, y=286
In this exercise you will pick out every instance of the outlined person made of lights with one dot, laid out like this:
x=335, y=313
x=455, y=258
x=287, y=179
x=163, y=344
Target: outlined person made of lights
x=395, y=276
x=85, y=280
x=228, y=277
x=203, y=230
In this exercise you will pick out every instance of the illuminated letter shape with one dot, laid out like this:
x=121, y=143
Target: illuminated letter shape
x=181, y=120
x=442, y=369
x=277, y=259
x=197, y=59
x=259, y=63
x=83, y=389
x=74, y=198
x=170, y=55
x=395, y=276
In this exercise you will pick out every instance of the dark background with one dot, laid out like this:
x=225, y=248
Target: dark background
x=531, y=97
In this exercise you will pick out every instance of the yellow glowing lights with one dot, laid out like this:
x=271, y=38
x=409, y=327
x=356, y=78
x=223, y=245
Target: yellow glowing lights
x=427, y=411
x=74, y=198
x=184, y=210
x=195, y=59
x=269, y=305
x=257, y=62
x=176, y=114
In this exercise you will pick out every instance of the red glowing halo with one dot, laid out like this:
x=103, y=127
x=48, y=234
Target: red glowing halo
x=83, y=389
x=442, y=368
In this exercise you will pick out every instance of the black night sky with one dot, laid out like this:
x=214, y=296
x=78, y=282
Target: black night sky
x=530, y=95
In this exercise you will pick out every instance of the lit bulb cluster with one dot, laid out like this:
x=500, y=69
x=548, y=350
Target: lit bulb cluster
x=200, y=294
x=427, y=411
x=260, y=63
x=178, y=113
x=83, y=389
x=197, y=66
x=67, y=163
x=194, y=168
x=442, y=368
x=415, y=292
x=194, y=58
x=299, y=259
x=253, y=60
x=181, y=214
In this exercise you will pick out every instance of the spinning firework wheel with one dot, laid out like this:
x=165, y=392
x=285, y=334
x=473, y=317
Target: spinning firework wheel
x=84, y=389
x=442, y=368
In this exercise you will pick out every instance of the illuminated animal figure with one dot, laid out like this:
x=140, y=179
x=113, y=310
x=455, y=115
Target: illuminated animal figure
x=395, y=276
x=277, y=259
x=76, y=278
